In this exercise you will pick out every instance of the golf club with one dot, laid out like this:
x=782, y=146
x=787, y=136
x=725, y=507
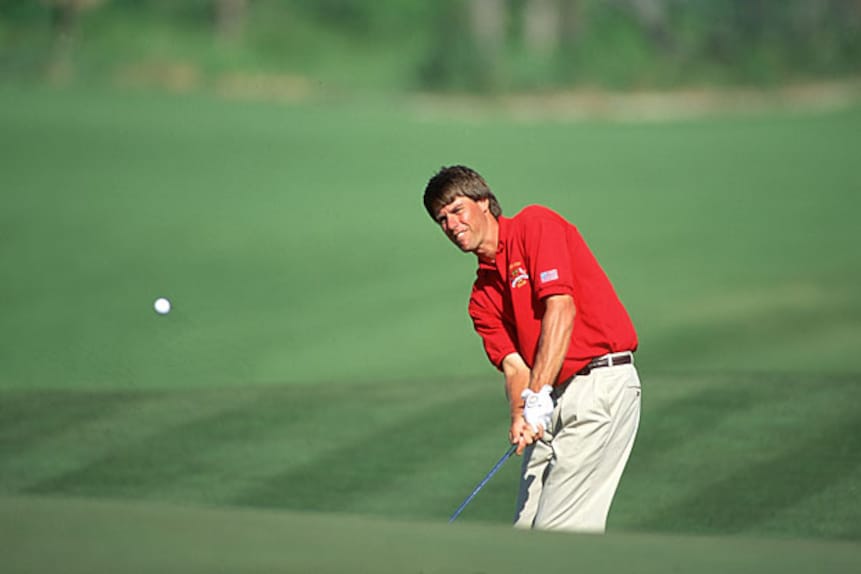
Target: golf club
x=484, y=481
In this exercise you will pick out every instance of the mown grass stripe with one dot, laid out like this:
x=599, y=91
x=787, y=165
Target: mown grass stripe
x=373, y=459
x=114, y=425
x=756, y=491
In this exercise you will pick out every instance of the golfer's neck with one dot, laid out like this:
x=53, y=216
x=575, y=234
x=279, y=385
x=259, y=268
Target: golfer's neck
x=487, y=249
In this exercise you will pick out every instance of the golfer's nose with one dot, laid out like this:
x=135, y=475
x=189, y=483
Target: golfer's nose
x=450, y=221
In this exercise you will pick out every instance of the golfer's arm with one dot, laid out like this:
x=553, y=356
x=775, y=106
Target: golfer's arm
x=516, y=374
x=556, y=327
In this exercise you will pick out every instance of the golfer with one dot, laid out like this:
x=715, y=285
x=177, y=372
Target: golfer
x=551, y=322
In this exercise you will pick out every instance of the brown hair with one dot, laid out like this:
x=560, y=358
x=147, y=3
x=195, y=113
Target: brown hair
x=456, y=181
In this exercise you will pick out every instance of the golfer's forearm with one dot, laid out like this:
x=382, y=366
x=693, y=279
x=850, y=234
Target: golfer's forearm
x=516, y=380
x=556, y=327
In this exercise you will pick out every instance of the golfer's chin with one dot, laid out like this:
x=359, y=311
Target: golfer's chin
x=464, y=247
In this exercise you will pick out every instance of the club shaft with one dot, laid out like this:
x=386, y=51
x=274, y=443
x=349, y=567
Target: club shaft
x=484, y=481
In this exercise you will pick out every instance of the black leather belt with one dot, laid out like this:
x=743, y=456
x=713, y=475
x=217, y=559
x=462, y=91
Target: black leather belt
x=605, y=361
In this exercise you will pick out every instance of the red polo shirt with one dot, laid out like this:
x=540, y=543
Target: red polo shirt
x=541, y=254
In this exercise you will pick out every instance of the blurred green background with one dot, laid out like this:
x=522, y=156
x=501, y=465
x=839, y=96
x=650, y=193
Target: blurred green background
x=261, y=164
x=294, y=47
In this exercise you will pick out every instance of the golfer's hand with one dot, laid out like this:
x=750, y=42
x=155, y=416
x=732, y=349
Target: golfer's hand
x=521, y=433
x=538, y=409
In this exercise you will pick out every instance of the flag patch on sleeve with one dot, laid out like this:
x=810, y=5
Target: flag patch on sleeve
x=547, y=276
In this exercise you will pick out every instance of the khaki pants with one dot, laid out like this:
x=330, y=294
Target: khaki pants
x=568, y=479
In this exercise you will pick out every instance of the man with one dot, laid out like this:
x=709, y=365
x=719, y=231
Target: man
x=551, y=321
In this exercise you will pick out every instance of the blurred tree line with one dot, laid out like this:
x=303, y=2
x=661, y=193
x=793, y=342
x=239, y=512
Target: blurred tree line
x=445, y=44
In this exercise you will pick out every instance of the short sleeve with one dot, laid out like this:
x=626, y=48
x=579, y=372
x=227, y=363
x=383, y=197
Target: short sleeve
x=548, y=256
x=485, y=309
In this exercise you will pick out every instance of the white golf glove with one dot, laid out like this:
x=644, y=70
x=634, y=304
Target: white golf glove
x=538, y=407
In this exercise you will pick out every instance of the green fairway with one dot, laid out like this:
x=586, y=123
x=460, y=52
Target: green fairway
x=319, y=357
x=294, y=247
x=716, y=455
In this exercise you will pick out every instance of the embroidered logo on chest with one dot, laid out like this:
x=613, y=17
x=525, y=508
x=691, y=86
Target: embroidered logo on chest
x=517, y=275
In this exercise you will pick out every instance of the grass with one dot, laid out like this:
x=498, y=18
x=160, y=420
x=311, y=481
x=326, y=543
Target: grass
x=722, y=236
x=319, y=358
x=718, y=455
x=100, y=537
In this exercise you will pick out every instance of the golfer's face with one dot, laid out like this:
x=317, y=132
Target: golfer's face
x=464, y=223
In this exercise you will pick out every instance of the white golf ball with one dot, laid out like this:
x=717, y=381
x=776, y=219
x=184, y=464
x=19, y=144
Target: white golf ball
x=161, y=306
